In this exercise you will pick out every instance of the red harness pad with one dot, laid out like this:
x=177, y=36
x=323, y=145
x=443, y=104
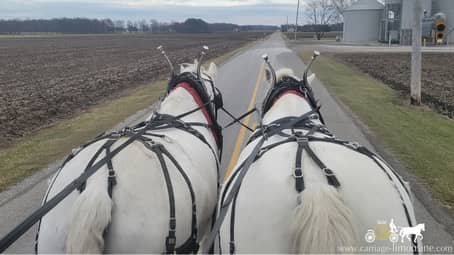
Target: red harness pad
x=290, y=91
x=199, y=102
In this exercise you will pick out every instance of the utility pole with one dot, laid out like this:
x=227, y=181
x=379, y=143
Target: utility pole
x=296, y=22
x=415, y=86
x=287, y=25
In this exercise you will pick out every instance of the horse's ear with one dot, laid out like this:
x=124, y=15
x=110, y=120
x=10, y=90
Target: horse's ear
x=212, y=70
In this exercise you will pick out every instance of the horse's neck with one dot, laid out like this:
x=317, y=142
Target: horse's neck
x=286, y=106
x=180, y=101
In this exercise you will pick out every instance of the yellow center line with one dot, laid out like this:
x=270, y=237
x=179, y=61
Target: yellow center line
x=239, y=140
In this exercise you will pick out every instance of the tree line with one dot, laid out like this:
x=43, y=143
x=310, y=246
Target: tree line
x=96, y=26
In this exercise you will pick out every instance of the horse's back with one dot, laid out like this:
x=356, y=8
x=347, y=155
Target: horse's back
x=140, y=214
x=267, y=198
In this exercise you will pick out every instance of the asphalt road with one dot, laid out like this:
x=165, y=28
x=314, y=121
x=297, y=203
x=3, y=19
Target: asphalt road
x=241, y=82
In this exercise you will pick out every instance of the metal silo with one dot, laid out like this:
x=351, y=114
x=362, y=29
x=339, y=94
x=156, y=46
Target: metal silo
x=446, y=7
x=362, y=21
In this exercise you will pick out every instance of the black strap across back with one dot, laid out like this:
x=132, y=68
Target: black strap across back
x=296, y=126
x=143, y=133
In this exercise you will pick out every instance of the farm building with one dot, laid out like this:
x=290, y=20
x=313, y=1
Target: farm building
x=391, y=20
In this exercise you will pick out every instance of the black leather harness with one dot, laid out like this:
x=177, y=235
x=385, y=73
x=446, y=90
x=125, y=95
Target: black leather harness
x=212, y=106
x=143, y=133
x=159, y=122
x=296, y=126
x=289, y=83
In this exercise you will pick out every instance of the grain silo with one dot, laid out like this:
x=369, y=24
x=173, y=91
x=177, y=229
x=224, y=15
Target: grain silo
x=446, y=7
x=361, y=21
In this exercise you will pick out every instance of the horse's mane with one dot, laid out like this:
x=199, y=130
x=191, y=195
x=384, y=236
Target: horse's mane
x=285, y=72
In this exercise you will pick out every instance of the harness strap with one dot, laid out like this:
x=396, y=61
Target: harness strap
x=299, y=178
x=171, y=237
x=332, y=179
x=232, y=225
x=238, y=120
x=111, y=178
x=191, y=245
x=20, y=229
x=241, y=171
x=234, y=190
x=92, y=167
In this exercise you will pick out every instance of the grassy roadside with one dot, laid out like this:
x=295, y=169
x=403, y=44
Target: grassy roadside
x=419, y=137
x=36, y=151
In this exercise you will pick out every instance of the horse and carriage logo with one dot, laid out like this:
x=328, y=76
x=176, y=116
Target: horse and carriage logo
x=394, y=233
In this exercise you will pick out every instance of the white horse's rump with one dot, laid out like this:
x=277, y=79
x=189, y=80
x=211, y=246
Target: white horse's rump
x=137, y=216
x=272, y=217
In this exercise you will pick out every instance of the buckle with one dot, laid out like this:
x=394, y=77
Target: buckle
x=112, y=178
x=314, y=116
x=299, y=174
x=328, y=172
x=353, y=145
x=154, y=145
x=301, y=139
x=112, y=174
x=172, y=224
x=171, y=242
x=116, y=134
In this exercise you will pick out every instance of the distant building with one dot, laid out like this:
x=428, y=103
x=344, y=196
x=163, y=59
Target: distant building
x=391, y=20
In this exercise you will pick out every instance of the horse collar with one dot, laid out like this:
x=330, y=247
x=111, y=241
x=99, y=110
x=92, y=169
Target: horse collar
x=199, y=92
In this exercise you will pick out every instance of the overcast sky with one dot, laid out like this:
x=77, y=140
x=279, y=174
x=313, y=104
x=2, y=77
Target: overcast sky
x=267, y=12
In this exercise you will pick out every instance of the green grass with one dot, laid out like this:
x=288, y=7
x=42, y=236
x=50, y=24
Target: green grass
x=422, y=139
x=36, y=151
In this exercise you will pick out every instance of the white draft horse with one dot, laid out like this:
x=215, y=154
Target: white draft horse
x=124, y=207
x=306, y=191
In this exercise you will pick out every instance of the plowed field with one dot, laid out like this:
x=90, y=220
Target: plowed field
x=394, y=69
x=43, y=79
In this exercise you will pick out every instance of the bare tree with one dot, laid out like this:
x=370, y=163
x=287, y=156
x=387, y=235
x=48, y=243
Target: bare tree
x=142, y=25
x=320, y=14
x=119, y=25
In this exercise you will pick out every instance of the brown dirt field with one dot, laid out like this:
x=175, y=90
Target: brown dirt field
x=394, y=69
x=43, y=79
